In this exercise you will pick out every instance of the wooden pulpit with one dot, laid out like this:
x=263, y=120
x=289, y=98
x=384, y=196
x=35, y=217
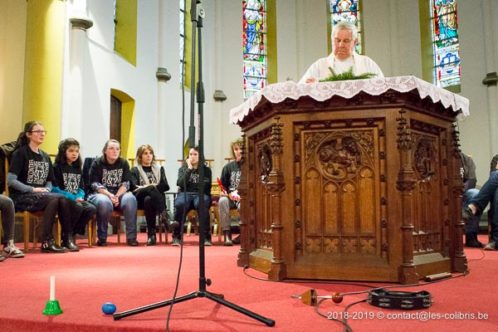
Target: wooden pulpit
x=352, y=180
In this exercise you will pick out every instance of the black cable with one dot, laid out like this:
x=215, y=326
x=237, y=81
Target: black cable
x=343, y=321
x=344, y=316
x=182, y=83
x=483, y=255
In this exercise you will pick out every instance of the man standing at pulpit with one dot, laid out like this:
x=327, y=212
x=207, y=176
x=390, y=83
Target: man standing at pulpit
x=343, y=57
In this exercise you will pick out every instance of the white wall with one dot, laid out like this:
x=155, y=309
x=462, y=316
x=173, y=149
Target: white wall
x=226, y=69
x=475, y=129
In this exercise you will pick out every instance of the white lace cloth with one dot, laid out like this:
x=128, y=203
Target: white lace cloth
x=276, y=93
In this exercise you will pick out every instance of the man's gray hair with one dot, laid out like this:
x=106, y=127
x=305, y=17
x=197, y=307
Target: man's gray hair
x=344, y=25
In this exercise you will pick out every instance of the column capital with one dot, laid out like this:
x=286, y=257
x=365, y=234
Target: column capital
x=81, y=23
x=490, y=79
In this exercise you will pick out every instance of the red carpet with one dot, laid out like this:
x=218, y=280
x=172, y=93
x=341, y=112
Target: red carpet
x=133, y=277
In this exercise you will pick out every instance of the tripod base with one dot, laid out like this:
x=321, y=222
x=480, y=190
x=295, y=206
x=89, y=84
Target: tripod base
x=214, y=297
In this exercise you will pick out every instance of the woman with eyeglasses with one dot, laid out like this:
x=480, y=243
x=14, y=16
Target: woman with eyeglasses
x=30, y=182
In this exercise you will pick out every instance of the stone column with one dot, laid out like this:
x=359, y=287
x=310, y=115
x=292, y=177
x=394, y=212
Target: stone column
x=73, y=122
x=162, y=76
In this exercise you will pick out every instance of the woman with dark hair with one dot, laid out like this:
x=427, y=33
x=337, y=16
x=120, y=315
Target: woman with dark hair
x=149, y=184
x=69, y=183
x=30, y=181
x=188, y=194
x=110, y=181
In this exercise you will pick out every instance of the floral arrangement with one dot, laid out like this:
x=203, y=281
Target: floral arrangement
x=348, y=75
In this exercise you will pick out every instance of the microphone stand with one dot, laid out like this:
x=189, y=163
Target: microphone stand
x=203, y=281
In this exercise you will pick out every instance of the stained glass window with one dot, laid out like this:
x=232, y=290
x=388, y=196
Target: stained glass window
x=182, y=40
x=347, y=10
x=254, y=46
x=445, y=43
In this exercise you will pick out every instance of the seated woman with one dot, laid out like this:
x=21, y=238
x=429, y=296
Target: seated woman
x=7, y=213
x=69, y=183
x=30, y=181
x=149, y=184
x=110, y=181
x=188, y=195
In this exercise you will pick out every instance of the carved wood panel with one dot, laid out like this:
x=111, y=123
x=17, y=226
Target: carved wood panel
x=338, y=203
x=262, y=166
x=430, y=166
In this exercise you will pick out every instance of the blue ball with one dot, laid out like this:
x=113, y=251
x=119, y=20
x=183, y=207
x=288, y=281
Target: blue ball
x=108, y=308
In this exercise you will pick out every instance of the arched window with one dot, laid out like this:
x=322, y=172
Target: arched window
x=185, y=40
x=347, y=10
x=254, y=44
x=445, y=44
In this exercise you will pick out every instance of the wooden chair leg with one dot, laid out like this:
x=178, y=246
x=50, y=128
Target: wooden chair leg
x=160, y=230
x=189, y=227
x=91, y=228
x=118, y=229
x=58, y=231
x=25, y=224
x=94, y=231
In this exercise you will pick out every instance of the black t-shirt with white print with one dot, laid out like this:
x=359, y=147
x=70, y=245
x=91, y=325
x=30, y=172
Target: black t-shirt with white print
x=33, y=169
x=68, y=177
x=112, y=177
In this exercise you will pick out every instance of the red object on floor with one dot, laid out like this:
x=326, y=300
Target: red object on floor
x=131, y=277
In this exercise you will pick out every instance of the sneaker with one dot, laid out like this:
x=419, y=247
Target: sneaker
x=102, y=243
x=490, y=246
x=132, y=243
x=207, y=243
x=2, y=258
x=176, y=242
x=11, y=250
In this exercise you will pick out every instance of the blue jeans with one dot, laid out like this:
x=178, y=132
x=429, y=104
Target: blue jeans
x=472, y=225
x=127, y=204
x=489, y=194
x=187, y=201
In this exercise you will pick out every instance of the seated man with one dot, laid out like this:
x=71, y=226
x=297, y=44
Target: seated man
x=229, y=198
x=469, y=192
x=476, y=205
